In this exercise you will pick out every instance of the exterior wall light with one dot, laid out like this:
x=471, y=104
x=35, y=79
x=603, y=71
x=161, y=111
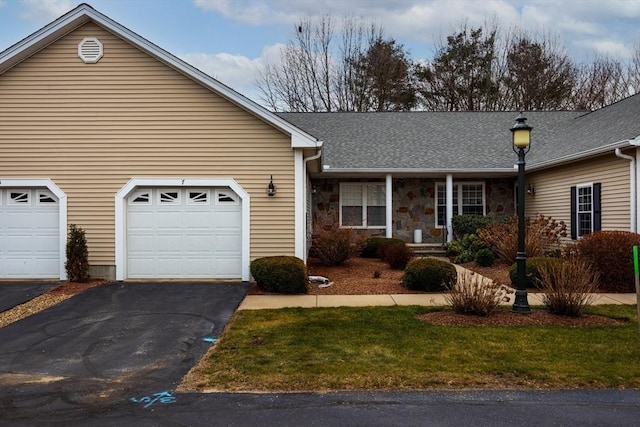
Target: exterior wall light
x=271, y=188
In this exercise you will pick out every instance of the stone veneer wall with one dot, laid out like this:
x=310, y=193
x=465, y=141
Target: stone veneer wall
x=413, y=205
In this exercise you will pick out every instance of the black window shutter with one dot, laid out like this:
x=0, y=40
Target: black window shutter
x=597, y=212
x=574, y=214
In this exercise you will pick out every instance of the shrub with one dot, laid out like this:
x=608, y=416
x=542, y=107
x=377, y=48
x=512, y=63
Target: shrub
x=77, y=265
x=280, y=274
x=543, y=234
x=468, y=224
x=335, y=246
x=374, y=245
x=568, y=286
x=397, y=256
x=485, y=257
x=476, y=295
x=531, y=270
x=429, y=274
x=610, y=253
x=465, y=249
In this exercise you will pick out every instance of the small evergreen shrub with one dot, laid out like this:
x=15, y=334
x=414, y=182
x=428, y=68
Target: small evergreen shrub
x=468, y=224
x=397, y=256
x=335, y=246
x=280, y=274
x=532, y=266
x=568, y=286
x=77, y=265
x=485, y=257
x=476, y=295
x=610, y=253
x=374, y=245
x=429, y=274
x=465, y=249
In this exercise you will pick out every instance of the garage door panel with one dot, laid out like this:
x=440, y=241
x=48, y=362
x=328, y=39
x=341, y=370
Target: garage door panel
x=186, y=239
x=29, y=234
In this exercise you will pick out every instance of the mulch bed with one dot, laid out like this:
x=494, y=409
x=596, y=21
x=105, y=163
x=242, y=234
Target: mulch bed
x=507, y=318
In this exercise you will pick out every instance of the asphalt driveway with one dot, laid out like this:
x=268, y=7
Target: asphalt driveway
x=108, y=346
x=12, y=294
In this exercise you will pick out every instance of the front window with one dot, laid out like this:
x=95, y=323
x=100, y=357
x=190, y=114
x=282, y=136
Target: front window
x=362, y=205
x=468, y=198
x=585, y=210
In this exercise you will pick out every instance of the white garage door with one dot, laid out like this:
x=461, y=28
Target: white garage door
x=29, y=234
x=184, y=233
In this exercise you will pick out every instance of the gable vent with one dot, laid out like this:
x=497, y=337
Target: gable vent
x=90, y=50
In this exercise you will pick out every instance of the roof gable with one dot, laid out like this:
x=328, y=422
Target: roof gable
x=85, y=13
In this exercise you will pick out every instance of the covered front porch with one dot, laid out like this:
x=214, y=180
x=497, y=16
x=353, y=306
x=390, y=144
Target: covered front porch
x=407, y=207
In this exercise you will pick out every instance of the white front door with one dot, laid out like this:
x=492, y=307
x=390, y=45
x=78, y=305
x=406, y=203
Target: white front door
x=184, y=233
x=29, y=234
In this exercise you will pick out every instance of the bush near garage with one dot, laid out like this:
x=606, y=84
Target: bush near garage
x=77, y=265
x=280, y=274
x=466, y=249
x=429, y=274
x=610, y=253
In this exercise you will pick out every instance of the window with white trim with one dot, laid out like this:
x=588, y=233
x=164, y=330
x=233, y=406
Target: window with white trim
x=45, y=197
x=19, y=197
x=585, y=209
x=140, y=197
x=169, y=197
x=363, y=205
x=226, y=197
x=468, y=198
x=198, y=197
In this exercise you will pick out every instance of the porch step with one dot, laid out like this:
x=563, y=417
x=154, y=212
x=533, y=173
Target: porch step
x=428, y=249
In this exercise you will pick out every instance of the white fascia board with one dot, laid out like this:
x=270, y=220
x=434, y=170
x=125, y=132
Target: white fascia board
x=579, y=156
x=84, y=13
x=330, y=170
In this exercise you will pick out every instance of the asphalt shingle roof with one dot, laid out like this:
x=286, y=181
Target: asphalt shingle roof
x=423, y=141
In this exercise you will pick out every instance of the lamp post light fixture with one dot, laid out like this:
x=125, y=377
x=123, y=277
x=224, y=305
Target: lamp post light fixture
x=521, y=133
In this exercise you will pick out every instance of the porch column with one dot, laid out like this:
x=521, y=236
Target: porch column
x=449, y=205
x=389, y=206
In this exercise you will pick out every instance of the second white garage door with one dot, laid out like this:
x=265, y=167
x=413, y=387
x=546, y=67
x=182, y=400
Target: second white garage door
x=184, y=233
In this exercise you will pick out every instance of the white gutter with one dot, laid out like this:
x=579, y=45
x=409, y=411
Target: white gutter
x=303, y=215
x=633, y=180
x=396, y=171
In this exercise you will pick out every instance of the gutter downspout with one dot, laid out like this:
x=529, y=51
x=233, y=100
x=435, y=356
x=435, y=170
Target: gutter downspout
x=634, y=188
x=305, y=231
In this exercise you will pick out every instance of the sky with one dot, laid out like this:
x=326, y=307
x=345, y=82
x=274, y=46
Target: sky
x=232, y=39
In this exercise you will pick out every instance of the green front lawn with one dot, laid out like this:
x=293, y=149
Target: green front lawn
x=388, y=348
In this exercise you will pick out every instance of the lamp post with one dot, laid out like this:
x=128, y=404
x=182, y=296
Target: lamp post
x=521, y=133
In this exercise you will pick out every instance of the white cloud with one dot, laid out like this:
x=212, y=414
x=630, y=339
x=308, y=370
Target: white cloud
x=607, y=48
x=44, y=10
x=236, y=71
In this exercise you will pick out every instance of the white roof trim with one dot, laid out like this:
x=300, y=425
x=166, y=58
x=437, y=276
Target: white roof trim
x=580, y=156
x=416, y=170
x=85, y=13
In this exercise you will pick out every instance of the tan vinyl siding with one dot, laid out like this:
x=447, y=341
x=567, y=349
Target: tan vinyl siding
x=92, y=127
x=553, y=190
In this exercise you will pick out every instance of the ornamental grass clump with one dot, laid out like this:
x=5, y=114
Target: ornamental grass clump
x=543, y=235
x=476, y=295
x=568, y=286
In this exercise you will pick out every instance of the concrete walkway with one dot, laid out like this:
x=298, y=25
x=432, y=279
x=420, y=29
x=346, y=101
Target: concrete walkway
x=259, y=302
